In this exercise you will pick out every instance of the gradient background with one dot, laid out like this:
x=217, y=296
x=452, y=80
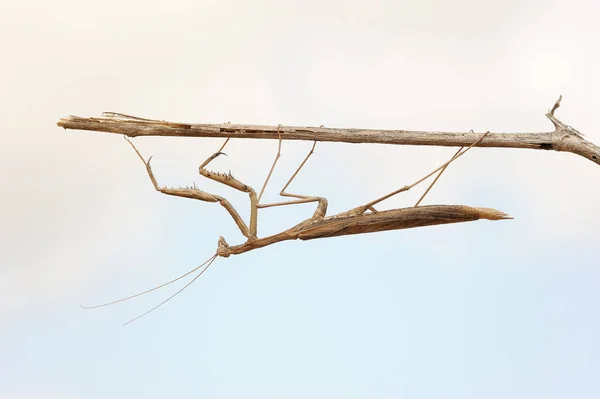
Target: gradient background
x=476, y=310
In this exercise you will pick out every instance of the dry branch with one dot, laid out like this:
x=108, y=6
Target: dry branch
x=563, y=138
x=362, y=219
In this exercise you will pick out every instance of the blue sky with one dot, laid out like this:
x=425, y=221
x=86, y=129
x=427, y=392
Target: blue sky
x=482, y=309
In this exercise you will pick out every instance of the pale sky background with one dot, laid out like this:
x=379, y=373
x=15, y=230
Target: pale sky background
x=475, y=310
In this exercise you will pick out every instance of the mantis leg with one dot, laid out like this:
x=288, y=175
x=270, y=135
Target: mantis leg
x=262, y=190
x=321, y=208
x=362, y=209
x=194, y=193
x=232, y=182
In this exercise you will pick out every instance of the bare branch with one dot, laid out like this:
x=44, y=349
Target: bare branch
x=563, y=138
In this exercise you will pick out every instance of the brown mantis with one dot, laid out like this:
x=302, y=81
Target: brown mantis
x=362, y=219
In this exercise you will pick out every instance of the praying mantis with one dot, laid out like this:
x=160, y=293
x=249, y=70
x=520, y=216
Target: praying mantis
x=362, y=219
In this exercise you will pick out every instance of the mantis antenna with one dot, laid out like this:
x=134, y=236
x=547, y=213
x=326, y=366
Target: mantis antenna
x=209, y=262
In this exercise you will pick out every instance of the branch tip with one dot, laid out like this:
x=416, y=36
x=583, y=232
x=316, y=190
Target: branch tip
x=558, y=125
x=556, y=105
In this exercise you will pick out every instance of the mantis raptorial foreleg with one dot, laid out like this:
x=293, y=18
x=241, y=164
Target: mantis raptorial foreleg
x=232, y=182
x=194, y=193
x=302, y=199
x=362, y=209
